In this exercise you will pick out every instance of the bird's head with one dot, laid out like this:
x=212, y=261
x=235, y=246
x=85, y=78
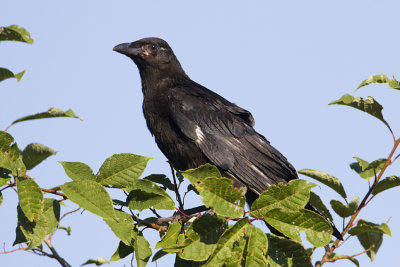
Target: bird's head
x=151, y=54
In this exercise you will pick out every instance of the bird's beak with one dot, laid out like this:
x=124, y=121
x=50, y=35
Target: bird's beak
x=128, y=49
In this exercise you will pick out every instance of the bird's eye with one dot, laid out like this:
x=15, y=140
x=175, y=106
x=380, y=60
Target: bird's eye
x=153, y=47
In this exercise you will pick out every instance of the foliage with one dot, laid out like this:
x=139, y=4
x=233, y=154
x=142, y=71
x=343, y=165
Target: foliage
x=201, y=236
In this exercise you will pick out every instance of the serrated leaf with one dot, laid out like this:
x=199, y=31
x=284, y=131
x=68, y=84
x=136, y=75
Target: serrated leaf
x=371, y=239
x=51, y=113
x=220, y=194
x=15, y=33
x=257, y=247
x=366, y=227
x=7, y=74
x=223, y=250
x=123, y=227
x=326, y=179
x=30, y=198
x=368, y=105
x=292, y=196
x=345, y=210
x=387, y=183
x=121, y=252
x=144, y=194
x=122, y=170
x=317, y=203
x=36, y=232
x=90, y=196
x=10, y=156
x=365, y=169
x=98, y=261
x=381, y=78
x=201, y=237
x=169, y=241
x=160, y=179
x=201, y=173
x=78, y=171
x=142, y=249
x=318, y=230
x=286, y=252
x=35, y=153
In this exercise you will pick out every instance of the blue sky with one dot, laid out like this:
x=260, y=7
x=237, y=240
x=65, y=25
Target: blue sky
x=282, y=60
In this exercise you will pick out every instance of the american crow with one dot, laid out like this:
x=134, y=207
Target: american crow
x=192, y=125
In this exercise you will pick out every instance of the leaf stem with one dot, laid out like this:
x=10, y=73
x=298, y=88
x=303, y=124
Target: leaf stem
x=178, y=196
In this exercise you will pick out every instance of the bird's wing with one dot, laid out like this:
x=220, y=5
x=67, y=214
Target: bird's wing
x=224, y=133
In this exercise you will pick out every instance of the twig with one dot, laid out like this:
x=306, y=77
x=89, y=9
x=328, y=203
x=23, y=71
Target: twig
x=348, y=257
x=54, y=192
x=325, y=258
x=155, y=212
x=178, y=196
x=8, y=127
x=63, y=262
x=11, y=251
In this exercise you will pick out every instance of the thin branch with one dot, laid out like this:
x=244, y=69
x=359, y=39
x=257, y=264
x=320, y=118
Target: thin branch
x=8, y=127
x=155, y=212
x=54, y=192
x=178, y=196
x=325, y=258
x=10, y=251
x=343, y=257
x=63, y=262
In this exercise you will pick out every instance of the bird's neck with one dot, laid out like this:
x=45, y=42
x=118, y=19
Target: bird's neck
x=155, y=79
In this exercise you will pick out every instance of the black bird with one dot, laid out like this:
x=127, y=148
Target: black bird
x=192, y=125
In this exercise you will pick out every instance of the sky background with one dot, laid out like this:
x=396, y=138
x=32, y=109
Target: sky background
x=284, y=61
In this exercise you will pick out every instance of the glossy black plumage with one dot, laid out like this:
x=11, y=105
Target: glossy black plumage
x=193, y=125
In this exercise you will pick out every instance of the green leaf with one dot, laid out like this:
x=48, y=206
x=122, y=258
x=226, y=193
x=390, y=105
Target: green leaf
x=326, y=179
x=368, y=105
x=201, y=237
x=1, y=198
x=365, y=169
x=51, y=113
x=98, y=261
x=145, y=194
x=179, y=262
x=5, y=176
x=158, y=255
x=345, y=210
x=121, y=252
x=257, y=247
x=7, y=74
x=90, y=196
x=381, y=78
x=292, y=196
x=10, y=156
x=30, y=199
x=366, y=227
x=394, y=84
x=169, y=242
x=387, y=183
x=142, y=249
x=35, y=153
x=78, y=171
x=122, y=170
x=223, y=250
x=160, y=179
x=286, y=252
x=317, y=203
x=371, y=239
x=201, y=173
x=15, y=33
x=37, y=232
x=318, y=230
x=123, y=227
x=220, y=194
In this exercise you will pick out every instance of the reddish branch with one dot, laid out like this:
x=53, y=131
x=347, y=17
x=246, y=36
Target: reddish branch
x=365, y=201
